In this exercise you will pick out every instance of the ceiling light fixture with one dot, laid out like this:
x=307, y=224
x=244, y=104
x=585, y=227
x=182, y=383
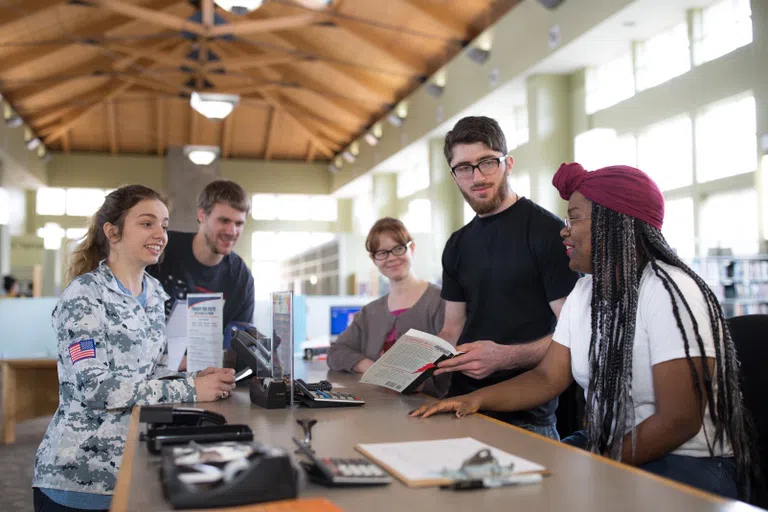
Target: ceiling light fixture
x=373, y=136
x=315, y=4
x=398, y=115
x=478, y=55
x=336, y=165
x=436, y=85
x=213, y=105
x=12, y=119
x=434, y=90
x=201, y=155
x=33, y=143
x=239, y=7
x=481, y=48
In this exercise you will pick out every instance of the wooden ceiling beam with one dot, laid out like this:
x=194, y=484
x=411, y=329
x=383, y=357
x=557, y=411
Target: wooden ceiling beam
x=310, y=152
x=227, y=128
x=155, y=54
x=117, y=87
x=255, y=61
x=408, y=61
x=258, y=26
x=23, y=9
x=93, y=66
x=331, y=128
x=441, y=15
x=231, y=50
x=152, y=16
x=65, y=142
x=270, y=133
x=160, y=125
x=112, y=126
x=321, y=146
x=22, y=58
x=373, y=90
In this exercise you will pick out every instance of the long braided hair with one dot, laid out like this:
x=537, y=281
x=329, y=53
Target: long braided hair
x=621, y=247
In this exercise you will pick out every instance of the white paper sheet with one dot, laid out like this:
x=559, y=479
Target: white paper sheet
x=177, y=334
x=425, y=460
x=204, y=331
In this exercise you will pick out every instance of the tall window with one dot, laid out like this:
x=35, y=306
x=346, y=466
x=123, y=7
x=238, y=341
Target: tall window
x=283, y=245
x=721, y=28
x=726, y=139
x=610, y=83
x=665, y=152
x=418, y=218
x=294, y=207
x=678, y=226
x=84, y=202
x=626, y=150
x=514, y=124
x=410, y=181
x=5, y=207
x=51, y=201
x=520, y=182
x=663, y=57
x=729, y=221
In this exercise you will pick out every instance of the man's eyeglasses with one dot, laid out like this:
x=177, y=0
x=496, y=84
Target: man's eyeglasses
x=486, y=167
x=397, y=250
x=569, y=223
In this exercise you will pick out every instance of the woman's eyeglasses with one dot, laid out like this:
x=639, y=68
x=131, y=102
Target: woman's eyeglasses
x=569, y=222
x=397, y=250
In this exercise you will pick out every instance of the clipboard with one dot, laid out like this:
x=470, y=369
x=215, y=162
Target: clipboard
x=417, y=463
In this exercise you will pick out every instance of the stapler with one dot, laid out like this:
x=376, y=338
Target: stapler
x=180, y=416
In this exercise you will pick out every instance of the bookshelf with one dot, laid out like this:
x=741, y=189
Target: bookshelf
x=739, y=282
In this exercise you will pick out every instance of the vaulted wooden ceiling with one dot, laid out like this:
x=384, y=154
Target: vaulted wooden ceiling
x=116, y=75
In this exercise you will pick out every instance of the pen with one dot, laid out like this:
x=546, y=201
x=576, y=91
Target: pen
x=490, y=483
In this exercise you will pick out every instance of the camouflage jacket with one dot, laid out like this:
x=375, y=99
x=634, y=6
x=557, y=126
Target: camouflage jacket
x=112, y=355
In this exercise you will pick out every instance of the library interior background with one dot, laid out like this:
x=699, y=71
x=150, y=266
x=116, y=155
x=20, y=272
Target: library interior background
x=336, y=116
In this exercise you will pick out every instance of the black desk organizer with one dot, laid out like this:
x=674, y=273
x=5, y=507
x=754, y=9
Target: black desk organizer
x=270, y=476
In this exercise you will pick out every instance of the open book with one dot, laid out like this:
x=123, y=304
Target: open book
x=410, y=361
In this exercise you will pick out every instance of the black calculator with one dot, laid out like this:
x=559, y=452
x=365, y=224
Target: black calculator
x=342, y=472
x=322, y=395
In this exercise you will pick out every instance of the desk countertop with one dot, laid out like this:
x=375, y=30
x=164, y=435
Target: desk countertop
x=579, y=481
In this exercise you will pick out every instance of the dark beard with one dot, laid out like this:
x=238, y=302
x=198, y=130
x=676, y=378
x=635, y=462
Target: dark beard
x=486, y=206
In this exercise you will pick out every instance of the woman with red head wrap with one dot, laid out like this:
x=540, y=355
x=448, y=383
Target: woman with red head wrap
x=644, y=336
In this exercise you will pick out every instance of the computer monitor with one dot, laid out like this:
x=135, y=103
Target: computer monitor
x=341, y=318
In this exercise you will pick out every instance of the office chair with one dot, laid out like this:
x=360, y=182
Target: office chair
x=749, y=337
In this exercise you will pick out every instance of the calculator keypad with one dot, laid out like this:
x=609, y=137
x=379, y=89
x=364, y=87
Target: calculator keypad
x=354, y=470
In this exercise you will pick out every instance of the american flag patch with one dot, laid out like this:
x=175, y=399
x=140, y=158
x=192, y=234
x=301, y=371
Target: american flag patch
x=84, y=349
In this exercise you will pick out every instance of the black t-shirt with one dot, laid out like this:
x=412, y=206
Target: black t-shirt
x=181, y=273
x=507, y=268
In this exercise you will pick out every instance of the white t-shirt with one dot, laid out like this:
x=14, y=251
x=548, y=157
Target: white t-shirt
x=657, y=339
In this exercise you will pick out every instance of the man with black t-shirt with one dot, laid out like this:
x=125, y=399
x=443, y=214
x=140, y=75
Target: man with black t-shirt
x=505, y=274
x=204, y=262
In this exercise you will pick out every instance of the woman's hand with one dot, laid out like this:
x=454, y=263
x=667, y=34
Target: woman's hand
x=214, y=384
x=462, y=405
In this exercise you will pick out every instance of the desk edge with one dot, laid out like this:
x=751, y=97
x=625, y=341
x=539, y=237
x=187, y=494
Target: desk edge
x=625, y=467
x=123, y=485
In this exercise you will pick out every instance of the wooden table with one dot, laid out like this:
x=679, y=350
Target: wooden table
x=30, y=389
x=580, y=481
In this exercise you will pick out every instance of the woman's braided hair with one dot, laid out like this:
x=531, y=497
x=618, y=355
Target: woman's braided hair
x=621, y=247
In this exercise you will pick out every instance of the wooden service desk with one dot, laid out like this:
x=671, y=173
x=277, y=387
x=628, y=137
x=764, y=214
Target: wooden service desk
x=30, y=389
x=579, y=480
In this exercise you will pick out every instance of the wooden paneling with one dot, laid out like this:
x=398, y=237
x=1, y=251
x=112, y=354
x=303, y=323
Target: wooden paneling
x=326, y=74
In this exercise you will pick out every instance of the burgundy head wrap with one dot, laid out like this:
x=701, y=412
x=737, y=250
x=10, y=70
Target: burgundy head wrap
x=620, y=188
